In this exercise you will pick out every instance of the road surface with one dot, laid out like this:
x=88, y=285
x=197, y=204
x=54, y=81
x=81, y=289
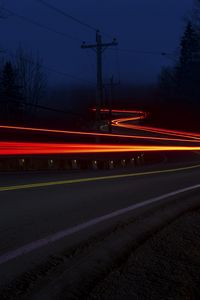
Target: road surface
x=66, y=230
x=38, y=207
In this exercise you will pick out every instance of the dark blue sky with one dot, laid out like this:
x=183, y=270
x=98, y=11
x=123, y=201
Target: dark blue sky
x=143, y=25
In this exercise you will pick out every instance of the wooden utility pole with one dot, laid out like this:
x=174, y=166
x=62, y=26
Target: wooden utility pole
x=99, y=48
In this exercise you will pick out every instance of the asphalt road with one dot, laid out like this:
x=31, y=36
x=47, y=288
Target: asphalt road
x=29, y=213
x=38, y=205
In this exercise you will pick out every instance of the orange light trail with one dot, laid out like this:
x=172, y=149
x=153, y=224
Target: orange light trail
x=116, y=123
x=126, y=122
x=27, y=148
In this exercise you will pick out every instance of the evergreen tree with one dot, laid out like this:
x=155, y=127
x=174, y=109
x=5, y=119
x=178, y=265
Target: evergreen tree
x=181, y=83
x=188, y=68
x=190, y=47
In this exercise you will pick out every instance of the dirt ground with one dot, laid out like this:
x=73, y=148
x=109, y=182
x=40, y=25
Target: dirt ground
x=167, y=266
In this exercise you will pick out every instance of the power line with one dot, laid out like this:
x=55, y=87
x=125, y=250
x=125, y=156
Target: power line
x=69, y=16
x=67, y=74
x=60, y=72
x=161, y=53
x=69, y=112
x=54, y=31
x=33, y=22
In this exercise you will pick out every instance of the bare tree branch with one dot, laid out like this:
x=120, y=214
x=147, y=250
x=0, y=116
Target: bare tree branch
x=31, y=77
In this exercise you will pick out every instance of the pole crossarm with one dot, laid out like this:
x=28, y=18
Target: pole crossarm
x=99, y=48
x=103, y=45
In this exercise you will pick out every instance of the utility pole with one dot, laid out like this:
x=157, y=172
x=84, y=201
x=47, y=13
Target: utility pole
x=99, y=48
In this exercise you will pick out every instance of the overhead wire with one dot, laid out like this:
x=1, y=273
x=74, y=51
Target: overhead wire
x=33, y=22
x=50, y=29
x=42, y=107
x=11, y=12
x=71, y=17
x=67, y=74
x=134, y=51
x=61, y=73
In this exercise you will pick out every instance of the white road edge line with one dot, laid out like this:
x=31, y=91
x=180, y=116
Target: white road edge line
x=35, y=245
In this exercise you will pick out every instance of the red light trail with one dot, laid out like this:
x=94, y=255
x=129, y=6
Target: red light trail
x=28, y=148
x=171, y=138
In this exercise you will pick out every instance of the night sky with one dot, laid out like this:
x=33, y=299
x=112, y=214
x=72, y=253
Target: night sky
x=142, y=25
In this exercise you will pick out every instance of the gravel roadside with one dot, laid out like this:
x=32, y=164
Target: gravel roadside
x=167, y=266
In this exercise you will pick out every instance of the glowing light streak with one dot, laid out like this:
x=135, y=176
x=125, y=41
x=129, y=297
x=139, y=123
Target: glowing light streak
x=95, y=134
x=25, y=148
x=36, y=148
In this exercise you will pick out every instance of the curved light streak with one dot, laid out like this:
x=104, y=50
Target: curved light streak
x=171, y=140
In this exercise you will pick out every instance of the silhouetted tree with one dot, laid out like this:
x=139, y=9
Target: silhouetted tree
x=8, y=80
x=31, y=78
x=10, y=92
x=190, y=46
x=188, y=68
x=182, y=82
